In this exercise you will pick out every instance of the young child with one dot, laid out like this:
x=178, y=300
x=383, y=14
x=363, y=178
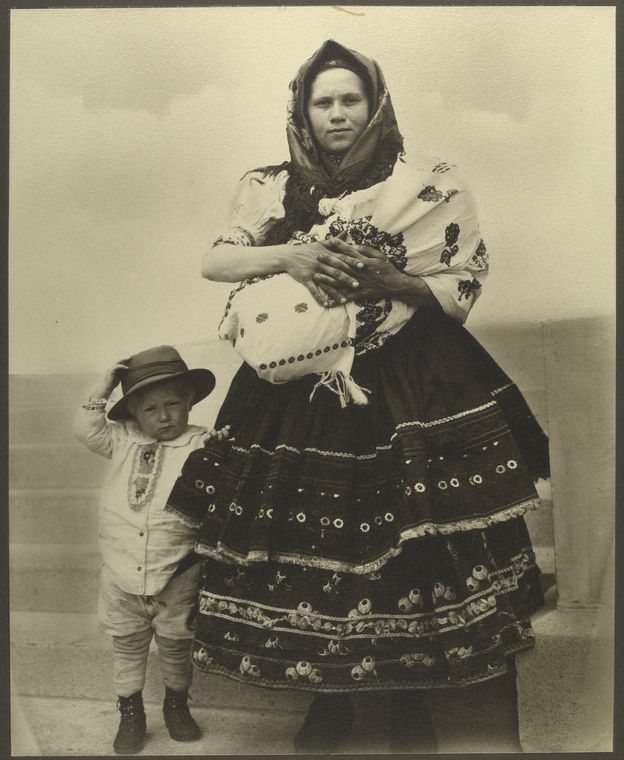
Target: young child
x=150, y=576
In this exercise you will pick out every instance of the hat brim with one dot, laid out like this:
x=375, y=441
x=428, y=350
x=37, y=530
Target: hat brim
x=203, y=384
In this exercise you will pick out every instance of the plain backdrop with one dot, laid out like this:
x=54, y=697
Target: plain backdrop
x=131, y=127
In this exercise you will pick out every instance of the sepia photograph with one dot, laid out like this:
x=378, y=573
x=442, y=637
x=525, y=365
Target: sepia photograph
x=311, y=380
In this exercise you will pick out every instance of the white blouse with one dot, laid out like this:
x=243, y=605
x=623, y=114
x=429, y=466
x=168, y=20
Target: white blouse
x=422, y=217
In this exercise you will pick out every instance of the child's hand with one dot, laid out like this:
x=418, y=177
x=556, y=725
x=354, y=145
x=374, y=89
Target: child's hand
x=217, y=435
x=110, y=381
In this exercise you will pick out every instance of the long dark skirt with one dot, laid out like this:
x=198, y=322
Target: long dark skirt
x=370, y=547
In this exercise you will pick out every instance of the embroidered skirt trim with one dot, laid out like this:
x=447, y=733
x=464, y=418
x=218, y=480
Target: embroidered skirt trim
x=446, y=613
x=224, y=553
x=487, y=675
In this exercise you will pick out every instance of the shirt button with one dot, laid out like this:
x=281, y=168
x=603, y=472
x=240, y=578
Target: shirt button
x=139, y=569
x=141, y=533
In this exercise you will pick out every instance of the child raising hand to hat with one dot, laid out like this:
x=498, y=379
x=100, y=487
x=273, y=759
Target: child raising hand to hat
x=150, y=576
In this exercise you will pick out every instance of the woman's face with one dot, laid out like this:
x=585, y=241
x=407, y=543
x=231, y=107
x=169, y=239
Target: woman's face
x=337, y=109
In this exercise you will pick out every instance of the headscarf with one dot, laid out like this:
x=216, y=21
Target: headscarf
x=370, y=159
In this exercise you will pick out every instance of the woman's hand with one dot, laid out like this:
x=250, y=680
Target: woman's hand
x=369, y=273
x=305, y=265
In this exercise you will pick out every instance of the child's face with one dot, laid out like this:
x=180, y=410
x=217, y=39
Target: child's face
x=162, y=412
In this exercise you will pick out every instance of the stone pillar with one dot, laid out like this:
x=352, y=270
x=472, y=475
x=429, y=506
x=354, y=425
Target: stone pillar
x=565, y=685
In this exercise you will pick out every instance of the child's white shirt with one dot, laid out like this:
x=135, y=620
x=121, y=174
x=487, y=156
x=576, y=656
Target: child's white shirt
x=141, y=543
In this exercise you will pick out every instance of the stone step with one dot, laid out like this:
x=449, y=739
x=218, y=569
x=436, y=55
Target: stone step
x=48, y=577
x=64, y=654
x=65, y=577
x=44, y=453
x=55, y=390
x=53, y=515
x=54, y=466
x=61, y=666
x=580, y=718
x=38, y=424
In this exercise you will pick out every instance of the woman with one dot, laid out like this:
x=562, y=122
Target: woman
x=380, y=546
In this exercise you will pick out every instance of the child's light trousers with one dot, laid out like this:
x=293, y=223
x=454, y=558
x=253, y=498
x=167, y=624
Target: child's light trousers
x=133, y=620
x=130, y=662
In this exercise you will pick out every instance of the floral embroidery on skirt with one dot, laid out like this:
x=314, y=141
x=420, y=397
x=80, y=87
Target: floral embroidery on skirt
x=426, y=619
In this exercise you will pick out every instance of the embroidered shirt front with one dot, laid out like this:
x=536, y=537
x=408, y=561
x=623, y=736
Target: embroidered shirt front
x=140, y=542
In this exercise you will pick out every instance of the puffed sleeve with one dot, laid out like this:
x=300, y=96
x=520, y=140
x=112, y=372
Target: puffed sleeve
x=257, y=204
x=434, y=218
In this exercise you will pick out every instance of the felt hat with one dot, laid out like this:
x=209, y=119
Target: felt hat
x=153, y=366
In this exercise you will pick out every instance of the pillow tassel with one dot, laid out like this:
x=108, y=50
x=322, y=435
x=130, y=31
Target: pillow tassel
x=344, y=386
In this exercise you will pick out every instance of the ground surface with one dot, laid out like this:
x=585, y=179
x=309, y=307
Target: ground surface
x=56, y=726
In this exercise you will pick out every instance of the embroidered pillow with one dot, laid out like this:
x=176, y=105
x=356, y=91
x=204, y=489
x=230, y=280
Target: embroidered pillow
x=283, y=333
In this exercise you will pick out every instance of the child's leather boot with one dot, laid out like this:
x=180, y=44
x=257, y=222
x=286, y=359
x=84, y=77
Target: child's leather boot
x=132, y=725
x=178, y=719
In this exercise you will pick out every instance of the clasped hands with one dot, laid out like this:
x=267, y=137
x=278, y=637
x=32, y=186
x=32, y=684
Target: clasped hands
x=336, y=272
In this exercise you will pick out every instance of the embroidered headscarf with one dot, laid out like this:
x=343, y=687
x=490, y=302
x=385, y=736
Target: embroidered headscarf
x=370, y=159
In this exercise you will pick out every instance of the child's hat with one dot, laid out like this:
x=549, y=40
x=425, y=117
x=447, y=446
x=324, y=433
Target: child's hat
x=155, y=365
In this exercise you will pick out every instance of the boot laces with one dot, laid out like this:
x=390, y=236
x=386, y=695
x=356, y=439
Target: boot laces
x=177, y=707
x=129, y=707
